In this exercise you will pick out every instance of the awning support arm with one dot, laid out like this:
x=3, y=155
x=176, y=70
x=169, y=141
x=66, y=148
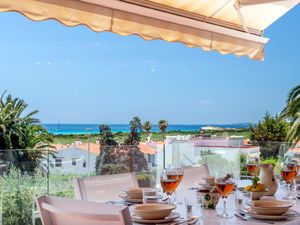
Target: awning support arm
x=238, y=9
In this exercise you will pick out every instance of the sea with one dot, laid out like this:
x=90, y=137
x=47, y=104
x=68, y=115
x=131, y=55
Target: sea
x=93, y=128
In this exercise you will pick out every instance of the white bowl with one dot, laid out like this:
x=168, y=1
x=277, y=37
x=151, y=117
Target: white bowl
x=153, y=211
x=137, y=193
x=271, y=207
x=256, y=195
x=210, y=181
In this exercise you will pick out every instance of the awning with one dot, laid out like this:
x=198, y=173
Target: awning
x=226, y=26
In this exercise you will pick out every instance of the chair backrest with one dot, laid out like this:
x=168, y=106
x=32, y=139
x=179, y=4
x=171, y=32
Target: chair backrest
x=193, y=175
x=103, y=188
x=63, y=211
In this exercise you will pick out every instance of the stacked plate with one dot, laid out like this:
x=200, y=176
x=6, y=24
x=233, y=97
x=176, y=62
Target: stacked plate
x=154, y=213
x=135, y=195
x=207, y=184
x=271, y=210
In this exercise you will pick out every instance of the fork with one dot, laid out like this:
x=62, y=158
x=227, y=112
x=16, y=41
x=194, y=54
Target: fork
x=191, y=220
x=242, y=216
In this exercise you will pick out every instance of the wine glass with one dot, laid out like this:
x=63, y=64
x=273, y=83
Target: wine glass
x=179, y=170
x=252, y=165
x=288, y=173
x=225, y=185
x=169, y=182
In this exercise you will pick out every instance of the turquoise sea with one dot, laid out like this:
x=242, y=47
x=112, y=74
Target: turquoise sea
x=93, y=128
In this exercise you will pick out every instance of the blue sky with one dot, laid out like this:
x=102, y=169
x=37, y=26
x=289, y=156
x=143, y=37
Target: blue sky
x=75, y=75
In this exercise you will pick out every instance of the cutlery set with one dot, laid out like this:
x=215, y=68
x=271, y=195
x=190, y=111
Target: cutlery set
x=241, y=215
x=189, y=221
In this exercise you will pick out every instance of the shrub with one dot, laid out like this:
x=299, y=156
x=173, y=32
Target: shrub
x=112, y=169
x=18, y=193
x=145, y=179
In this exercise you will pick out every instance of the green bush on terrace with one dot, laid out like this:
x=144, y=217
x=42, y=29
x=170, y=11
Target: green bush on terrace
x=18, y=193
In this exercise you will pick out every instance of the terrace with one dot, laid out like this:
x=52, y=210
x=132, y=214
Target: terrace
x=189, y=176
x=24, y=181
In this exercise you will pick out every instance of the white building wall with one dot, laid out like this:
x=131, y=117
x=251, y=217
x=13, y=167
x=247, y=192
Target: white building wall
x=73, y=161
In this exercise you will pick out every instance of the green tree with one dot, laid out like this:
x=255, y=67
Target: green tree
x=269, y=134
x=163, y=125
x=116, y=158
x=107, y=146
x=134, y=136
x=147, y=126
x=270, y=128
x=133, y=157
x=292, y=113
x=19, y=132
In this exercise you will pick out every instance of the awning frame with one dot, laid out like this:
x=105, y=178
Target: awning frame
x=157, y=13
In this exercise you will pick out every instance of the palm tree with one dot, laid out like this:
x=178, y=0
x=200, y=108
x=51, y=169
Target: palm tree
x=147, y=126
x=292, y=113
x=18, y=132
x=163, y=125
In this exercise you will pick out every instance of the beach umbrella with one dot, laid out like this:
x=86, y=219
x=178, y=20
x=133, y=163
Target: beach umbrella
x=227, y=26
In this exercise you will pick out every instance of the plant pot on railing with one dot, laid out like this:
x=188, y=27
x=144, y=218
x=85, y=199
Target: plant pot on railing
x=145, y=180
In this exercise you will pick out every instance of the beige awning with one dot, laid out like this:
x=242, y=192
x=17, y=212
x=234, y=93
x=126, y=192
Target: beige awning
x=226, y=26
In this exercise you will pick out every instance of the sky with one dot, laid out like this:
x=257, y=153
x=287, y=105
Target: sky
x=74, y=75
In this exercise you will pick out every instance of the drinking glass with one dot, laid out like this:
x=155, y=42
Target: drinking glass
x=288, y=173
x=225, y=185
x=252, y=165
x=193, y=204
x=179, y=170
x=150, y=195
x=169, y=182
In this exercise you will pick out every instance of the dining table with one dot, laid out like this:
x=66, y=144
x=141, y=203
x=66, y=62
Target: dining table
x=210, y=216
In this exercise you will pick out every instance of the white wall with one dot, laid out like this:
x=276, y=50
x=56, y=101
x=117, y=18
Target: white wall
x=73, y=154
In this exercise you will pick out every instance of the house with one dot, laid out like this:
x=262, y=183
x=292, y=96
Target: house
x=78, y=158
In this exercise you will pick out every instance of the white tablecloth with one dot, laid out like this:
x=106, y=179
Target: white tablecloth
x=210, y=216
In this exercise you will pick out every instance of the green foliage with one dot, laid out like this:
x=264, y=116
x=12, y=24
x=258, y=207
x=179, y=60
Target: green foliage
x=270, y=160
x=292, y=112
x=106, y=136
x=18, y=193
x=243, y=161
x=163, y=125
x=147, y=126
x=145, y=179
x=119, y=137
x=107, y=143
x=269, y=134
x=255, y=180
x=113, y=169
x=134, y=136
x=269, y=129
x=19, y=131
x=128, y=156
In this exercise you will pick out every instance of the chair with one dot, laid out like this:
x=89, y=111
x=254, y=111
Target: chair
x=193, y=175
x=63, y=211
x=103, y=188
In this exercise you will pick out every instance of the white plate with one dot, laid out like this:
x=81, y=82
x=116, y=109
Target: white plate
x=290, y=213
x=206, y=186
x=131, y=200
x=170, y=218
x=163, y=199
